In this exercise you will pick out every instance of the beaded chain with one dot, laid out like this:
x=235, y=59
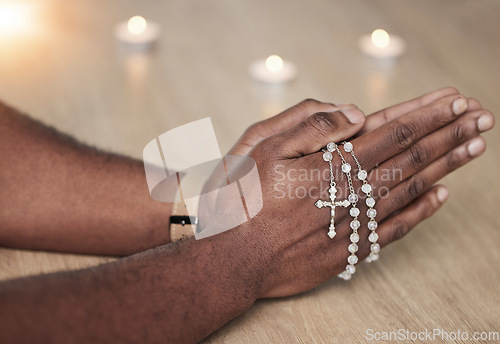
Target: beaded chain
x=352, y=201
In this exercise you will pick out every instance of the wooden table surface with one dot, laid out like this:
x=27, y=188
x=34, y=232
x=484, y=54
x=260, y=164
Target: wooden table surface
x=67, y=70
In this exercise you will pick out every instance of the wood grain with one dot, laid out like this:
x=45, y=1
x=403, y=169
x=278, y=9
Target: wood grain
x=443, y=275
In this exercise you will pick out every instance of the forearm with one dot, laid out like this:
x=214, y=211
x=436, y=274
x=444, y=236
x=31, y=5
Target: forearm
x=57, y=194
x=175, y=293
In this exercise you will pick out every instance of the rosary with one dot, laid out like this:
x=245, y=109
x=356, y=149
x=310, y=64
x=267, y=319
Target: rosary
x=352, y=201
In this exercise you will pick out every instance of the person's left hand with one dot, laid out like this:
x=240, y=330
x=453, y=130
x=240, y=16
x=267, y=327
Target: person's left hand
x=281, y=122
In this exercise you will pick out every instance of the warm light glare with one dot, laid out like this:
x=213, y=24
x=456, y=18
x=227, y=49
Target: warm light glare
x=14, y=18
x=274, y=63
x=137, y=25
x=380, y=38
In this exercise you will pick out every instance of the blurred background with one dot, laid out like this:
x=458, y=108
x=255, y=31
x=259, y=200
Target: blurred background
x=60, y=62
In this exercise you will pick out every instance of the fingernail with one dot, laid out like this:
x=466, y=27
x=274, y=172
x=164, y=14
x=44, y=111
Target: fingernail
x=476, y=147
x=354, y=115
x=485, y=122
x=442, y=194
x=459, y=106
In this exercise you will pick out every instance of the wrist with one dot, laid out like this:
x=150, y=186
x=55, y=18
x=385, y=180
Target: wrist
x=183, y=219
x=246, y=259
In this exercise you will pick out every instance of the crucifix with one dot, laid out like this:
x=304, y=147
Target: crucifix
x=332, y=204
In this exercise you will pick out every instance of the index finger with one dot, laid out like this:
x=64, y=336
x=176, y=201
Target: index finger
x=386, y=115
x=399, y=134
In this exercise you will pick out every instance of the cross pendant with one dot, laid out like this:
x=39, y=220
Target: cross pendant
x=332, y=204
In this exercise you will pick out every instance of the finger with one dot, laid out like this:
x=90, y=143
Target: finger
x=411, y=188
x=293, y=116
x=372, y=122
x=386, y=115
x=474, y=104
x=431, y=147
x=310, y=135
x=396, y=136
x=398, y=225
x=281, y=122
x=296, y=114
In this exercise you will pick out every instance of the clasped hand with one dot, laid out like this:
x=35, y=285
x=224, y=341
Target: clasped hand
x=415, y=143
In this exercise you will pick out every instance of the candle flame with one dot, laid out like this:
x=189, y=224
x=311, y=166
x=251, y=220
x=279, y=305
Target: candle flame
x=137, y=25
x=380, y=38
x=274, y=63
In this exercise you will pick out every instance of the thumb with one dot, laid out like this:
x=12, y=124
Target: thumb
x=296, y=114
x=316, y=131
x=281, y=122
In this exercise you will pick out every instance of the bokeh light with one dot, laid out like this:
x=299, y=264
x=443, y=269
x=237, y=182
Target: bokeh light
x=15, y=18
x=137, y=25
x=274, y=63
x=380, y=38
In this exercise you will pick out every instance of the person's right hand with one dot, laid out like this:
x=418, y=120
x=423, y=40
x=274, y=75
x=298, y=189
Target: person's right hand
x=286, y=248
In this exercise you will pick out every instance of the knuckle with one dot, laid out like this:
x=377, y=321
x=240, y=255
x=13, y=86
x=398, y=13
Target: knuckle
x=403, y=134
x=422, y=100
x=320, y=124
x=416, y=186
x=397, y=200
x=419, y=155
x=454, y=159
x=399, y=230
x=385, y=116
x=438, y=117
x=308, y=104
x=253, y=128
x=459, y=134
x=428, y=207
x=382, y=191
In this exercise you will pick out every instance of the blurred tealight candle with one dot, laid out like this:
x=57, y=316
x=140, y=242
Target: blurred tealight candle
x=137, y=33
x=273, y=70
x=382, y=45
